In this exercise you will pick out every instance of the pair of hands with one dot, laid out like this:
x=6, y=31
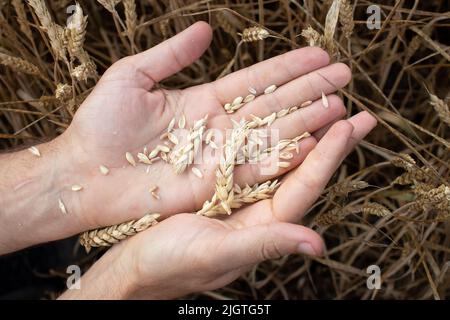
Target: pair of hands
x=185, y=252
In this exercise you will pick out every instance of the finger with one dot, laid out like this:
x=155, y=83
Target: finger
x=308, y=87
x=306, y=183
x=172, y=55
x=362, y=122
x=270, y=167
x=278, y=71
x=255, y=244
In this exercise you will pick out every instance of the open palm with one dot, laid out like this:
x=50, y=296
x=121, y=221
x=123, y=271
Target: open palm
x=125, y=113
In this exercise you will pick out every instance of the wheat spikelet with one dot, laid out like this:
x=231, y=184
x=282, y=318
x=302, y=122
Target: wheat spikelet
x=75, y=32
x=330, y=218
x=18, y=64
x=55, y=32
x=441, y=108
x=253, y=34
x=414, y=176
x=130, y=17
x=375, y=209
x=22, y=18
x=346, y=18
x=314, y=38
x=84, y=71
x=111, y=235
x=345, y=187
x=109, y=5
x=404, y=161
x=247, y=195
x=224, y=173
x=63, y=91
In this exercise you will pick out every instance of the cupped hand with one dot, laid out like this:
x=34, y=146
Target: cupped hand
x=190, y=253
x=127, y=112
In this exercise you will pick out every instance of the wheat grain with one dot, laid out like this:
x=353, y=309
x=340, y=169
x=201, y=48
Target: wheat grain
x=130, y=159
x=103, y=170
x=34, y=151
x=197, y=172
x=182, y=122
x=143, y=158
x=109, y=236
x=254, y=34
x=270, y=89
x=283, y=164
x=252, y=91
x=18, y=64
x=171, y=125
x=325, y=100
x=306, y=104
x=61, y=206
x=172, y=138
x=76, y=187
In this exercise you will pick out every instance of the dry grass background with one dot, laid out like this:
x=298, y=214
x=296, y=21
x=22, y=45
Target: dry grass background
x=389, y=203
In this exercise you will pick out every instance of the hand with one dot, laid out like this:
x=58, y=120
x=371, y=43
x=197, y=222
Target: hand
x=126, y=112
x=190, y=253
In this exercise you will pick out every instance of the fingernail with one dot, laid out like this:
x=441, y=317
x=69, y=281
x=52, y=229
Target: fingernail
x=306, y=248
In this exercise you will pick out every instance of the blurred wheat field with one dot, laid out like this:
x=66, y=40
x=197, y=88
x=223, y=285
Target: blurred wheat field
x=389, y=203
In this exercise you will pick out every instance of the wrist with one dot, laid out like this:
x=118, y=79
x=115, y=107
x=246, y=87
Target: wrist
x=30, y=189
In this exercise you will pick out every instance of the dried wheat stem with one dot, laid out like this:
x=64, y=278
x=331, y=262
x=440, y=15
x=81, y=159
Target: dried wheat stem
x=109, y=236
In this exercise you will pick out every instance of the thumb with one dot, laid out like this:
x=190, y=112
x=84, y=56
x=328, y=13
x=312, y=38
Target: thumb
x=269, y=241
x=174, y=54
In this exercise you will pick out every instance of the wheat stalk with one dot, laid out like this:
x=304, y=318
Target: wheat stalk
x=109, y=236
x=18, y=64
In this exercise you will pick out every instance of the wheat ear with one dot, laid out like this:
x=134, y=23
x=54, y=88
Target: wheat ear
x=18, y=64
x=108, y=236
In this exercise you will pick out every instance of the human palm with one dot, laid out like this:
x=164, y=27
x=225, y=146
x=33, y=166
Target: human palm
x=126, y=112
